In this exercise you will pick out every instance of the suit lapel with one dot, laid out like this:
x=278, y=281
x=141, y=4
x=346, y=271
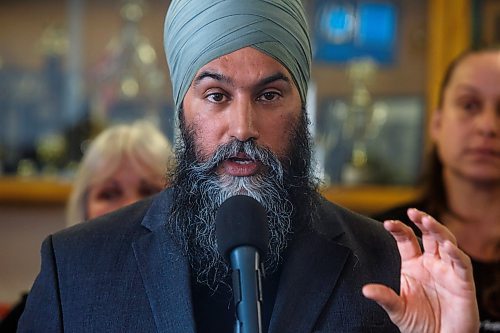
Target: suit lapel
x=311, y=271
x=165, y=273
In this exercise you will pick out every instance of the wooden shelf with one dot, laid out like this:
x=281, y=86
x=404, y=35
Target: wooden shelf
x=16, y=190
x=363, y=199
x=370, y=199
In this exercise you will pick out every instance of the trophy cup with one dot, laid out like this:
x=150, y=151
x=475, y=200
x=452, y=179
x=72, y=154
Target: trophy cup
x=358, y=170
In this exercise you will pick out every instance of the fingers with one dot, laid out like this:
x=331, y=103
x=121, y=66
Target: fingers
x=434, y=234
x=460, y=262
x=407, y=242
x=385, y=297
x=440, y=243
x=428, y=225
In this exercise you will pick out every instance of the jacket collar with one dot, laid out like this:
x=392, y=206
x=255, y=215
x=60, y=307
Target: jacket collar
x=156, y=217
x=165, y=271
x=315, y=260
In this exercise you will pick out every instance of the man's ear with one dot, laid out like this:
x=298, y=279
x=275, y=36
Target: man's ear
x=435, y=124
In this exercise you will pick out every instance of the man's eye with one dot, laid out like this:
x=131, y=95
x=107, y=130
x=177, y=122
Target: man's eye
x=269, y=96
x=216, y=97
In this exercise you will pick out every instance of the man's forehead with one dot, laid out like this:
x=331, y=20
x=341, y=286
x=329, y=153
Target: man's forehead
x=246, y=63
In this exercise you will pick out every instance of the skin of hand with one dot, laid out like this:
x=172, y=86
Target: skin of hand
x=437, y=287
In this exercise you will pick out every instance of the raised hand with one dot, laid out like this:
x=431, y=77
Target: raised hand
x=437, y=287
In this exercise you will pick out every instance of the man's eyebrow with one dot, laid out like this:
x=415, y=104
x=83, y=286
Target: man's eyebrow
x=221, y=77
x=274, y=77
x=212, y=75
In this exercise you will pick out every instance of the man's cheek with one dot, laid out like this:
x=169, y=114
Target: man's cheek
x=204, y=151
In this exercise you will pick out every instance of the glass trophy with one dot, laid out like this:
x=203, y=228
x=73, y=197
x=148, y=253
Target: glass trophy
x=129, y=83
x=359, y=116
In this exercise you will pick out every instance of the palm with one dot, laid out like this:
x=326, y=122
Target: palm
x=437, y=291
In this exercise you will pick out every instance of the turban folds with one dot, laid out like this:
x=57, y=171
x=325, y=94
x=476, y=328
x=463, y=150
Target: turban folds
x=199, y=31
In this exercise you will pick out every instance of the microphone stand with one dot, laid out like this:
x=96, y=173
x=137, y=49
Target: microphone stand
x=247, y=289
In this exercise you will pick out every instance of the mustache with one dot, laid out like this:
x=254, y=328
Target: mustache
x=234, y=147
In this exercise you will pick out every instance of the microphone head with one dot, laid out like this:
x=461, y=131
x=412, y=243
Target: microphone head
x=241, y=220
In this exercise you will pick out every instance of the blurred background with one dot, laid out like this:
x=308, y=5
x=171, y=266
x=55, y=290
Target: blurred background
x=70, y=68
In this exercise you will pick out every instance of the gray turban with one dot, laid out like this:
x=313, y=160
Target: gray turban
x=199, y=31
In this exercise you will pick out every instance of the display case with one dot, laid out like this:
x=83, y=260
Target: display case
x=78, y=66
x=71, y=81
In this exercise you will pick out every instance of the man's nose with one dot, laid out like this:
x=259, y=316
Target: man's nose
x=243, y=120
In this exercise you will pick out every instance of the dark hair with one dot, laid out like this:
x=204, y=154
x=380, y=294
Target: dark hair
x=434, y=192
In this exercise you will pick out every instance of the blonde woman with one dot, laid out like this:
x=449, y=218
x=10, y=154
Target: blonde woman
x=123, y=164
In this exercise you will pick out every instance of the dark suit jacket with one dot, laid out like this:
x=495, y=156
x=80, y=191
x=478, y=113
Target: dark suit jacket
x=123, y=273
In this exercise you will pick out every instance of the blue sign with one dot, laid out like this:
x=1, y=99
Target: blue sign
x=344, y=31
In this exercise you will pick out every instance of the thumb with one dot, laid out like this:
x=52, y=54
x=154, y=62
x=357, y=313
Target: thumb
x=385, y=297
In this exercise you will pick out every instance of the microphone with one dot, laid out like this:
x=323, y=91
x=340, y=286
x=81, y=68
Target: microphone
x=242, y=237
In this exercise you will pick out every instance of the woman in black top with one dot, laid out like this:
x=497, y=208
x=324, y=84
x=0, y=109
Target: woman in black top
x=462, y=184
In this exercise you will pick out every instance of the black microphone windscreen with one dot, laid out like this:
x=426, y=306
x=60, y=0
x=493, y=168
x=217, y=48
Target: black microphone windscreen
x=241, y=220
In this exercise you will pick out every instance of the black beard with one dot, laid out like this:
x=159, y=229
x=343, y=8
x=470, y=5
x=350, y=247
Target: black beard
x=286, y=189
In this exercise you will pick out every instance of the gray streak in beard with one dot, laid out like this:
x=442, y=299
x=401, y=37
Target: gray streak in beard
x=252, y=185
x=207, y=191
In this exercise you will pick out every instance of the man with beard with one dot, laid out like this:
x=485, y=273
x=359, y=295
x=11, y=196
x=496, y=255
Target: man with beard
x=239, y=73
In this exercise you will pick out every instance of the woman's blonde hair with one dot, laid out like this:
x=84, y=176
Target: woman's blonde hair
x=141, y=142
